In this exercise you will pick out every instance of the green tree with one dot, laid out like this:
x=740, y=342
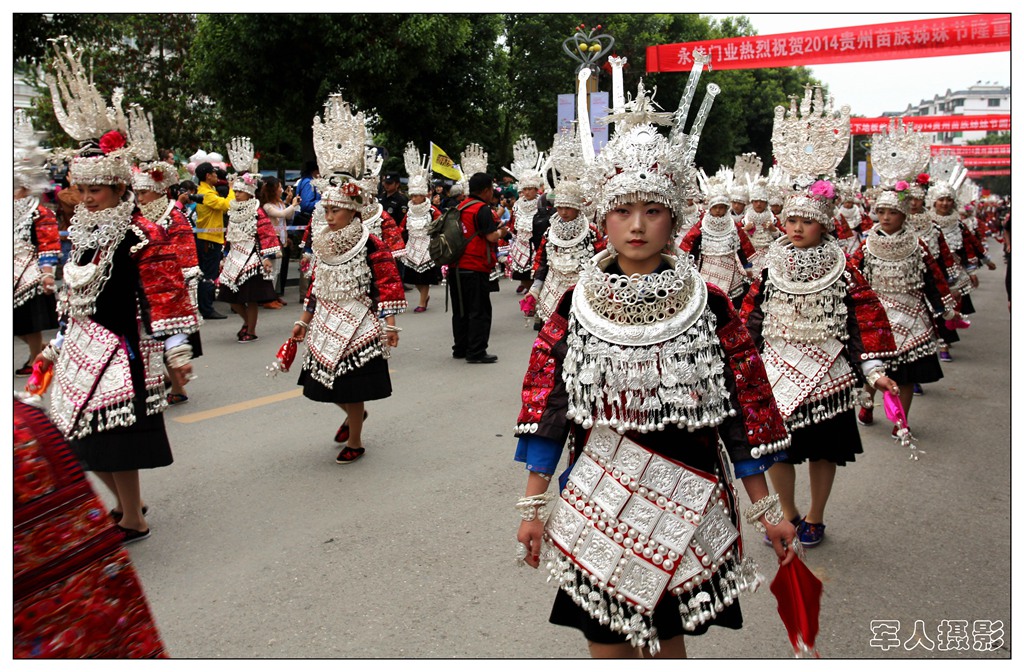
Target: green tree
x=144, y=54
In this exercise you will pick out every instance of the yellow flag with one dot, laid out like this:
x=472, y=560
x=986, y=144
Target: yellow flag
x=440, y=163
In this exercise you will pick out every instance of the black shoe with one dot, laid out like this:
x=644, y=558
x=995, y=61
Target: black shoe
x=482, y=359
x=129, y=535
x=458, y=355
x=215, y=316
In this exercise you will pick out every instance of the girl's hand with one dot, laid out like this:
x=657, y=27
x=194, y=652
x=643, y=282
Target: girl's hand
x=782, y=537
x=887, y=384
x=531, y=533
x=392, y=339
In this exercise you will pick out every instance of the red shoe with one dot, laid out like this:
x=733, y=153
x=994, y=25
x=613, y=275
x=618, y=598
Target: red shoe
x=349, y=455
x=342, y=434
x=866, y=416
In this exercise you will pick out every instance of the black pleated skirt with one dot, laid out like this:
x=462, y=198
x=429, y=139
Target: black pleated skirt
x=143, y=445
x=834, y=440
x=37, y=314
x=922, y=370
x=256, y=289
x=370, y=381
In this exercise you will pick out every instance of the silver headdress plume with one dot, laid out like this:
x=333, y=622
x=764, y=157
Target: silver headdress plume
x=639, y=164
x=474, y=160
x=30, y=158
x=812, y=142
x=567, y=165
x=747, y=168
x=339, y=141
x=899, y=153
x=527, y=163
x=243, y=160
x=374, y=162
x=948, y=174
x=107, y=140
x=418, y=168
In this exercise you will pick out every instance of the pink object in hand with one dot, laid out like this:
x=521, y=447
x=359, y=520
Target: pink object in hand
x=528, y=304
x=894, y=410
x=958, y=323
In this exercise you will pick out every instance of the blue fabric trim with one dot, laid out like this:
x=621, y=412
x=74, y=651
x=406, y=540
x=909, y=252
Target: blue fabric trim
x=49, y=259
x=540, y=454
x=760, y=465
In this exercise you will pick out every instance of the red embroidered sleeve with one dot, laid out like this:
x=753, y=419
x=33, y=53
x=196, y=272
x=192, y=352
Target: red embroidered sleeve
x=935, y=280
x=691, y=239
x=169, y=306
x=384, y=270
x=973, y=248
x=539, y=257
x=765, y=429
x=270, y=244
x=746, y=247
x=540, y=380
x=843, y=230
x=182, y=240
x=600, y=242
x=392, y=234
x=47, y=231
x=750, y=300
x=875, y=331
x=949, y=262
x=866, y=223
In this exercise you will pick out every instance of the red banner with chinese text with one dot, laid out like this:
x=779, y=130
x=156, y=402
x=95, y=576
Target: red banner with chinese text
x=971, y=34
x=944, y=124
x=972, y=150
x=985, y=173
x=986, y=161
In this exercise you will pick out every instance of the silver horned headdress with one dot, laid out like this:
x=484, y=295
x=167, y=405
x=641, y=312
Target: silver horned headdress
x=418, y=168
x=641, y=165
x=339, y=140
x=243, y=160
x=30, y=158
x=948, y=174
x=474, y=160
x=527, y=163
x=567, y=165
x=810, y=143
x=899, y=153
x=108, y=138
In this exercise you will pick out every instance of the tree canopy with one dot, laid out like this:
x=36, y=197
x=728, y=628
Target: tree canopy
x=447, y=78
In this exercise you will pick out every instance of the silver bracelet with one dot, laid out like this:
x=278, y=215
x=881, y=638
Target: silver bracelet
x=392, y=329
x=300, y=323
x=874, y=374
x=533, y=507
x=758, y=508
x=51, y=352
x=178, y=356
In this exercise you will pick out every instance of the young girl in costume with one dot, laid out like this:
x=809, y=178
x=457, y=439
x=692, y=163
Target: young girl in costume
x=348, y=321
x=644, y=368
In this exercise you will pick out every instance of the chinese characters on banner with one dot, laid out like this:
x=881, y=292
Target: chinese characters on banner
x=945, y=124
x=972, y=150
x=951, y=635
x=972, y=34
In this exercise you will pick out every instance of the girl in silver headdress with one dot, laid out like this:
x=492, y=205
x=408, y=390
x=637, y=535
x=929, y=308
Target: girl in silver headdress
x=821, y=331
x=644, y=367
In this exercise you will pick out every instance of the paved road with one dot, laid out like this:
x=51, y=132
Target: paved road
x=263, y=547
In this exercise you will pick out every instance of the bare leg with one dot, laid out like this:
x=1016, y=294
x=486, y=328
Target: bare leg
x=239, y=309
x=613, y=650
x=35, y=345
x=907, y=396
x=783, y=478
x=822, y=474
x=108, y=480
x=424, y=294
x=355, y=424
x=251, y=312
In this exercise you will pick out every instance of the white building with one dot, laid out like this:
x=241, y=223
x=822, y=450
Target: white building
x=982, y=98
x=23, y=93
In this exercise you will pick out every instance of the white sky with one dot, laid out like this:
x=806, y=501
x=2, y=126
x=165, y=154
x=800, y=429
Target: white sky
x=888, y=86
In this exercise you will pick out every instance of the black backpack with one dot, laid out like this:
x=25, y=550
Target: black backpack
x=447, y=244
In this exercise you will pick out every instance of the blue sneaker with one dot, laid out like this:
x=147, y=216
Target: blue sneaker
x=918, y=392
x=810, y=534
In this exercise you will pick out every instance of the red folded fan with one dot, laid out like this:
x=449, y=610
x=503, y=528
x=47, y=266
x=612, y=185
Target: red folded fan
x=39, y=381
x=528, y=304
x=798, y=592
x=285, y=357
x=958, y=323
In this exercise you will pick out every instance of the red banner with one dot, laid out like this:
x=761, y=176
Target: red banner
x=984, y=173
x=947, y=124
x=972, y=34
x=986, y=161
x=972, y=150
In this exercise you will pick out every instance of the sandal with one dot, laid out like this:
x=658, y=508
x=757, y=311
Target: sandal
x=242, y=332
x=247, y=338
x=129, y=535
x=342, y=434
x=349, y=455
x=174, y=399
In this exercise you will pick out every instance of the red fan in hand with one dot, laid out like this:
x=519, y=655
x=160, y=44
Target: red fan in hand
x=528, y=304
x=285, y=357
x=798, y=592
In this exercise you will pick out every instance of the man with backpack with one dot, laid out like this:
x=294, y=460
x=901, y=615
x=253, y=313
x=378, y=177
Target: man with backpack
x=469, y=277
